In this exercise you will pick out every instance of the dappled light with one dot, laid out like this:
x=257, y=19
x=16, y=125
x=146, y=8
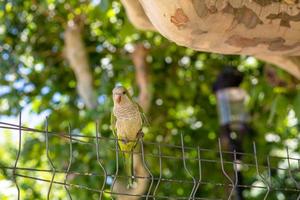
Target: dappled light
x=60, y=60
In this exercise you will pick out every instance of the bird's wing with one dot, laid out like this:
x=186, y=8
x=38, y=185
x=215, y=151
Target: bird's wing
x=145, y=121
x=113, y=120
x=143, y=116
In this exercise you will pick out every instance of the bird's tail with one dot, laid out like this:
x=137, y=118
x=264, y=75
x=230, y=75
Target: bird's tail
x=129, y=168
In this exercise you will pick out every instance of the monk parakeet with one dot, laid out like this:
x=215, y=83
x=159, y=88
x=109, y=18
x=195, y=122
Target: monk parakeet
x=126, y=123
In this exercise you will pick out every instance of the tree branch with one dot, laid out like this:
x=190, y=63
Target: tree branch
x=291, y=64
x=136, y=15
x=142, y=183
x=142, y=75
x=75, y=53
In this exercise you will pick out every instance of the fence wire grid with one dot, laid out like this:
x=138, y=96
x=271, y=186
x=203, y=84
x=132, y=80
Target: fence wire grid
x=230, y=168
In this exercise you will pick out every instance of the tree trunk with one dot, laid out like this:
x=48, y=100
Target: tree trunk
x=142, y=76
x=142, y=183
x=76, y=55
x=143, y=81
x=289, y=63
x=136, y=14
x=245, y=27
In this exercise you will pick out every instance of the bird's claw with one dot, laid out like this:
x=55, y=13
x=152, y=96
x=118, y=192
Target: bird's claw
x=140, y=134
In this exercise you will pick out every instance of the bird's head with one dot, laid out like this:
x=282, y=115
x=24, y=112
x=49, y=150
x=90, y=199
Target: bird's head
x=120, y=95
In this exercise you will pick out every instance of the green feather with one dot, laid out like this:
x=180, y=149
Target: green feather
x=113, y=120
x=128, y=162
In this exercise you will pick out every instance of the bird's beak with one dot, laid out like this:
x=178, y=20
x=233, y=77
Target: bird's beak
x=118, y=98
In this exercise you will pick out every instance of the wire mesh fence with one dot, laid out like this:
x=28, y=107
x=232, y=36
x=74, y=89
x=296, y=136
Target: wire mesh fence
x=162, y=167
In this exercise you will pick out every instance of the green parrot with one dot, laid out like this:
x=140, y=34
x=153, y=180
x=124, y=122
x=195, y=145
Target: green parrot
x=126, y=124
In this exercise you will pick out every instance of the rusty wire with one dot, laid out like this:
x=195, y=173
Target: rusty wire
x=155, y=181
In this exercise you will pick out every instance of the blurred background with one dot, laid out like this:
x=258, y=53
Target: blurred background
x=62, y=59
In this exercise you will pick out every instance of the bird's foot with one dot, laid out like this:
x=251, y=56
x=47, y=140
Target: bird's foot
x=140, y=134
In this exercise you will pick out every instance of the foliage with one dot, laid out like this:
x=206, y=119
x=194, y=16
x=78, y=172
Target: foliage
x=34, y=74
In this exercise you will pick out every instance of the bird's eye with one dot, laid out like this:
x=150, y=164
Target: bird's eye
x=124, y=92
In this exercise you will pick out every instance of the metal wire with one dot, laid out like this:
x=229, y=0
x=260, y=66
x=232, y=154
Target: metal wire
x=117, y=165
x=290, y=171
x=257, y=171
x=99, y=162
x=49, y=159
x=146, y=167
x=18, y=155
x=10, y=126
x=108, y=192
x=199, y=171
x=155, y=155
x=269, y=171
x=158, y=178
x=70, y=162
x=66, y=136
x=160, y=171
x=235, y=171
x=186, y=169
x=223, y=170
x=181, y=181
